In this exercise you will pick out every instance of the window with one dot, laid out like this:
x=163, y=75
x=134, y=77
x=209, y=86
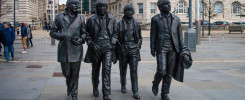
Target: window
x=235, y=9
x=48, y=11
x=16, y=4
x=140, y=6
x=181, y=7
x=218, y=7
x=153, y=8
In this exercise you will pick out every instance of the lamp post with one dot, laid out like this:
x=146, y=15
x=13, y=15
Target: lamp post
x=14, y=16
x=52, y=39
x=203, y=18
x=190, y=34
x=198, y=28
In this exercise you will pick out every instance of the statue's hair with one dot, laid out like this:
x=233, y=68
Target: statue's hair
x=159, y=1
x=128, y=6
x=70, y=1
x=100, y=2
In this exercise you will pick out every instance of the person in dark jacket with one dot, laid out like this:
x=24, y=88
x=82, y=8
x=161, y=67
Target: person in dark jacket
x=1, y=36
x=29, y=37
x=130, y=40
x=0, y=48
x=101, y=41
x=18, y=30
x=69, y=28
x=166, y=43
x=24, y=37
x=9, y=36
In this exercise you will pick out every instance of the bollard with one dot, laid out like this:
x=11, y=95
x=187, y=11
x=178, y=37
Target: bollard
x=190, y=39
x=223, y=39
x=209, y=39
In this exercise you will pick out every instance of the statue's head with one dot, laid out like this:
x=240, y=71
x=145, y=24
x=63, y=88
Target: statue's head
x=164, y=6
x=101, y=7
x=72, y=5
x=129, y=11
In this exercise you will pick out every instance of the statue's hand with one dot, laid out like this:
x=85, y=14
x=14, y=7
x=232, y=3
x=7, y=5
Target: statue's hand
x=153, y=53
x=186, y=57
x=95, y=47
x=76, y=40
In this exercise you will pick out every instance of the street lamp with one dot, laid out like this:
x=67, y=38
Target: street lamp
x=14, y=16
x=190, y=34
x=52, y=39
x=203, y=18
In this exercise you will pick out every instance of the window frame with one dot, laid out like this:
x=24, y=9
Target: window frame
x=153, y=8
x=218, y=10
x=181, y=5
x=236, y=5
x=140, y=9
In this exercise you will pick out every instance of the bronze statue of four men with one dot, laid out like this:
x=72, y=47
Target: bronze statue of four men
x=109, y=41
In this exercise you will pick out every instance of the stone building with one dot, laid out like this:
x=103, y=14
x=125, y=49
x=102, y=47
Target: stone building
x=61, y=8
x=49, y=10
x=27, y=11
x=88, y=7
x=224, y=10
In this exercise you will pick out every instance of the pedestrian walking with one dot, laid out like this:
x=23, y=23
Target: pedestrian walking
x=1, y=36
x=29, y=37
x=18, y=30
x=24, y=37
x=0, y=49
x=9, y=36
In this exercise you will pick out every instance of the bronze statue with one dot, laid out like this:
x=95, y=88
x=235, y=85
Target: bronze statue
x=130, y=40
x=101, y=41
x=69, y=28
x=166, y=43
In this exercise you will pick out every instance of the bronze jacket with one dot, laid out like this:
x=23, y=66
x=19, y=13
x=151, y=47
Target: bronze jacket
x=63, y=30
x=121, y=34
x=93, y=29
x=158, y=34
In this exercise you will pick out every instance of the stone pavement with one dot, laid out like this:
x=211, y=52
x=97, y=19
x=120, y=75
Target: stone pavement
x=217, y=74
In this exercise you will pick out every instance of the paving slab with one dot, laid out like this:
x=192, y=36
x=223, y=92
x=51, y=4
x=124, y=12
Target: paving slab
x=217, y=73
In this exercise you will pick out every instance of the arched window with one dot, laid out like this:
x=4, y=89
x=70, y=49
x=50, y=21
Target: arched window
x=181, y=7
x=235, y=9
x=218, y=7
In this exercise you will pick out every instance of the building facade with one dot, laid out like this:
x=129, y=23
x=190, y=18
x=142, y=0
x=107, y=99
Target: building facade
x=61, y=8
x=222, y=10
x=49, y=10
x=27, y=11
x=88, y=7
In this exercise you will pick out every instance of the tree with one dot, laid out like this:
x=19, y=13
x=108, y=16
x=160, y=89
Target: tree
x=5, y=7
x=242, y=9
x=209, y=7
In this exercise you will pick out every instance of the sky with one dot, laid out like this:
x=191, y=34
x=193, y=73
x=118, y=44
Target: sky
x=62, y=1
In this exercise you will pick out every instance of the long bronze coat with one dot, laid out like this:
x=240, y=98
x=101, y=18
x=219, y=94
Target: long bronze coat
x=158, y=33
x=63, y=29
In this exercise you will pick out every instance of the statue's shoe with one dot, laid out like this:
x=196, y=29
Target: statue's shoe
x=123, y=89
